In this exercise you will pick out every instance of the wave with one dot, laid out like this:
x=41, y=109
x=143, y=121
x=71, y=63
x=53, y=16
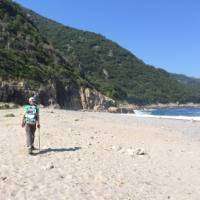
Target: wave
x=148, y=114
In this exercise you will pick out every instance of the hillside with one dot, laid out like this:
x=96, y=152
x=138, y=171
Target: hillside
x=188, y=81
x=30, y=65
x=24, y=52
x=113, y=70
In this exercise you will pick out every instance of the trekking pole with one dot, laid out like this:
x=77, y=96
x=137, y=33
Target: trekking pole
x=39, y=138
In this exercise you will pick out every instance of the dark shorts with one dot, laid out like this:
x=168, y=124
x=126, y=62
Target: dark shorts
x=30, y=134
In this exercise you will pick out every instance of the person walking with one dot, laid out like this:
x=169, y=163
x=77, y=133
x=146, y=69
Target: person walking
x=30, y=121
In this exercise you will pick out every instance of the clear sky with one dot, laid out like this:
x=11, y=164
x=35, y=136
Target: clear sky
x=163, y=33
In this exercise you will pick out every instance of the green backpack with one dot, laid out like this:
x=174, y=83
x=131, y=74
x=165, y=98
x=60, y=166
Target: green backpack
x=31, y=113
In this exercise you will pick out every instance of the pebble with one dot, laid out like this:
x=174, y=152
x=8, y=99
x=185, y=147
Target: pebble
x=122, y=150
x=130, y=151
x=3, y=178
x=70, y=129
x=50, y=166
x=137, y=151
x=119, y=148
x=61, y=176
x=9, y=115
x=140, y=151
x=69, y=176
x=113, y=148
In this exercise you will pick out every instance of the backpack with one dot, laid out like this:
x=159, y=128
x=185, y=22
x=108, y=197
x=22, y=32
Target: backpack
x=31, y=112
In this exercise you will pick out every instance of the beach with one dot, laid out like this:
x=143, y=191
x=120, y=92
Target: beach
x=101, y=156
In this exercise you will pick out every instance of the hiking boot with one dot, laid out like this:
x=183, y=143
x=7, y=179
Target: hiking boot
x=29, y=150
x=33, y=148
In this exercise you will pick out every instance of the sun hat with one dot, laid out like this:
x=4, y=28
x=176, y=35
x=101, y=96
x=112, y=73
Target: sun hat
x=31, y=99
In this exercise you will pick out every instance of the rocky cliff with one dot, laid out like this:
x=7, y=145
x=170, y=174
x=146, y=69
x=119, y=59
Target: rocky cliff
x=55, y=94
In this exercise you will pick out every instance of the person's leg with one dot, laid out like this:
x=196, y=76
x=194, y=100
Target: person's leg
x=28, y=137
x=33, y=129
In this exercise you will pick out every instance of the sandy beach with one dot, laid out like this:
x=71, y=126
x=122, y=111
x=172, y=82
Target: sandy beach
x=91, y=155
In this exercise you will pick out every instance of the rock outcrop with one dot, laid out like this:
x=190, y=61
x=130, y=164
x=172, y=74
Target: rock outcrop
x=56, y=94
x=120, y=110
x=13, y=91
x=92, y=99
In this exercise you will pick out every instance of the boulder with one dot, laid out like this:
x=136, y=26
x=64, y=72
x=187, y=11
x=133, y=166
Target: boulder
x=114, y=110
x=93, y=100
x=120, y=110
x=127, y=110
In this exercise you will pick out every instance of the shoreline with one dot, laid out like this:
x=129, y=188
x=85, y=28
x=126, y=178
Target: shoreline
x=136, y=112
x=187, y=118
x=163, y=106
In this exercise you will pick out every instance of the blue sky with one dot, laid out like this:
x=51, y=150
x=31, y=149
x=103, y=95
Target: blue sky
x=163, y=33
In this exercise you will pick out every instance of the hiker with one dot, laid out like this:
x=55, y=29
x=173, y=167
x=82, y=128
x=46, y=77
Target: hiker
x=30, y=120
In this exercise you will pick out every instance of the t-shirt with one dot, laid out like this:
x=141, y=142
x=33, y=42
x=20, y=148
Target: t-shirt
x=31, y=112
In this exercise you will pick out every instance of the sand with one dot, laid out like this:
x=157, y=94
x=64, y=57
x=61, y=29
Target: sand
x=96, y=156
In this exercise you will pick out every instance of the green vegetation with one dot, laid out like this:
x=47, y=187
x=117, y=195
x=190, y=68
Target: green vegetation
x=25, y=53
x=188, y=81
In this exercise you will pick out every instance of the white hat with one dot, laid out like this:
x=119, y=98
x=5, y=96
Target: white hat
x=31, y=99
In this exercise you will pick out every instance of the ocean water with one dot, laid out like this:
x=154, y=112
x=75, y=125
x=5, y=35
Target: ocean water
x=173, y=113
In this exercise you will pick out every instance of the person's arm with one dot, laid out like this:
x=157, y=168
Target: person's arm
x=23, y=121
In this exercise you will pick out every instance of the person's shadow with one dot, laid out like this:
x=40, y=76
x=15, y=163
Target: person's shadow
x=49, y=150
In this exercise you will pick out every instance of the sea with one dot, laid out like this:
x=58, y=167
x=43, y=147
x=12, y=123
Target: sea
x=187, y=113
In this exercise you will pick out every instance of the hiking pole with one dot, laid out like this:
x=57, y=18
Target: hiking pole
x=39, y=138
